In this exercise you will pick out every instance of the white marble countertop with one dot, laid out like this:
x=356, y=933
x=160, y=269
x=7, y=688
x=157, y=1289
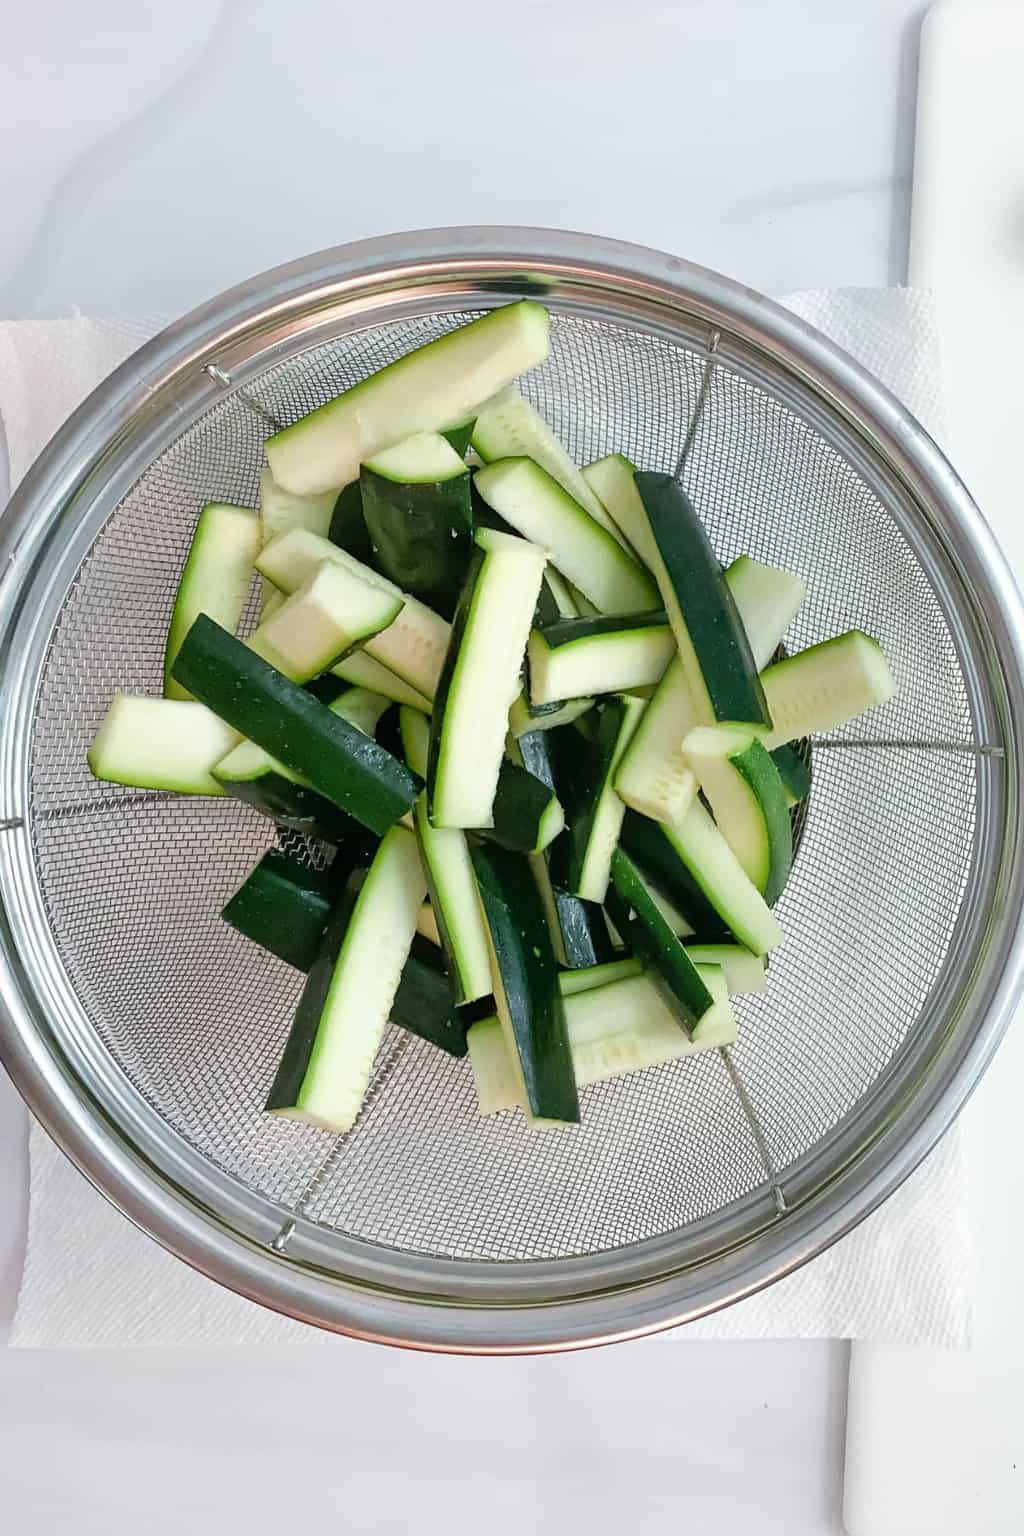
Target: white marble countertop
x=153, y=155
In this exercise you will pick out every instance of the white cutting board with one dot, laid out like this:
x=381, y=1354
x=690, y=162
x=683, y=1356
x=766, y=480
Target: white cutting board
x=935, y=1442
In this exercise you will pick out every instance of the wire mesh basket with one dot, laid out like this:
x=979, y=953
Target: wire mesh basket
x=144, y=1032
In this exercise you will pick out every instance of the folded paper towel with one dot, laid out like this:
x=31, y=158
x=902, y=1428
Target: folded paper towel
x=90, y=1278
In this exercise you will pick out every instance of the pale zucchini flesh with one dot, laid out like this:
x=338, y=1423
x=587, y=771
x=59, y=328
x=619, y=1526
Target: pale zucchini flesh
x=748, y=799
x=613, y=481
x=768, y=599
x=538, y=507
x=720, y=876
x=623, y=1026
x=423, y=458
x=331, y=612
x=152, y=743
x=216, y=578
x=744, y=973
x=615, y=662
x=825, y=686
x=455, y=900
x=522, y=722
x=281, y=509
x=413, y=647
x=361, y=670
x=508, y=427
x=654, y=776
x=481, y=682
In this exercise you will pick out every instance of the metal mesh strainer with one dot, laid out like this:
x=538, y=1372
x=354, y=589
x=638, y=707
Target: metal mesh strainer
x=145, y=1032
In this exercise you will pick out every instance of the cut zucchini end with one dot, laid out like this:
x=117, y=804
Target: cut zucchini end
x=424, y=458
x=160, y=743
x=745, y=974
x=825, y=686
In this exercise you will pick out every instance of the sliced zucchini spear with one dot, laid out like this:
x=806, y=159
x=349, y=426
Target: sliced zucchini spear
x=480, y=680
x=216, y=578
x=744, y=973
x=693, y=865
x=281, y=509
x=508, y=427
x=327, y=615
x=613, y=481
x=361, y=669
x=526, y=991
x=620, y=1027
x=576, y=657
x=350, y=990
x=333, y=756
x=251, y=774
x=283, y=905
x=768, y=600
x=646, y=932
x=825, y=686
x=745, y=791
x=161, y=744
x=523, y=720
x=713, y=646
x=527, y=814
x=582, y=860
x=433, y=388
x=654, y=777
x=455, y=900
x=541, y=509
x=592, y=976
x=414, y=646
x=795, y=773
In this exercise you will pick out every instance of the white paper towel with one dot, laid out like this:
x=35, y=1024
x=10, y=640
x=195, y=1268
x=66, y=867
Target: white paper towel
x=91, y=1278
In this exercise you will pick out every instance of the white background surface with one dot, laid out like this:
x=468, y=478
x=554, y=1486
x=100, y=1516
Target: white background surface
x=151, y=155
x=936, y=1439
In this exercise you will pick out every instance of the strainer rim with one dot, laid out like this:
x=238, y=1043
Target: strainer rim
x=99, y=1150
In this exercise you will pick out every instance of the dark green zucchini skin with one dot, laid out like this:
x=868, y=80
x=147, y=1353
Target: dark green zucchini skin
x=707, y=605
x=529, y=977
x=539, y=752
x=794, y=771
x=421, y=534
x=348, y=526
x=582, y=928
x=545, y=614
x=300, y=809
x=654, y=855
x=563, y=631
x=648, y=935
x=294, y=1064
x=520, y=802
x=582, y=766
x=460, y=437
x=585, y=937
x=283, y=905
x=425, y=1001
x=327, y=687
x=349, y=768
